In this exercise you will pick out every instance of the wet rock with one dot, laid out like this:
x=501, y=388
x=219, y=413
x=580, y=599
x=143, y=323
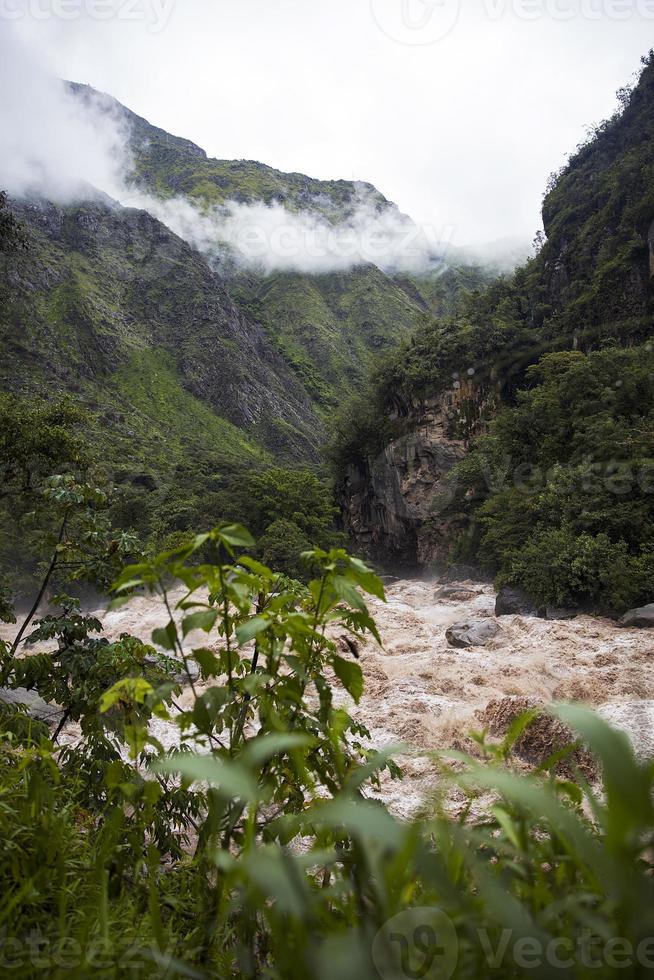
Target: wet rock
x=542, y=737
x=475, y=633
x=553, y=612
x=455, y=593
x=398, y=507
x=346, y=644
x=36, y=706
x=515, y=602
x=642, y=618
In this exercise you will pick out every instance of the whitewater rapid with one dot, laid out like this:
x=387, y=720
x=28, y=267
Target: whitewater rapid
x=422, y=692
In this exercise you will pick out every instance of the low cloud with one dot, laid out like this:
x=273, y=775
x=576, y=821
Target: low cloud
x=270, y=238
x=63, y=148
x=51, y=144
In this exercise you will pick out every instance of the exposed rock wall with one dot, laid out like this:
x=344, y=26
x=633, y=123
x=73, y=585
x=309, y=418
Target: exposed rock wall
x=394, y=505
x=100, y=282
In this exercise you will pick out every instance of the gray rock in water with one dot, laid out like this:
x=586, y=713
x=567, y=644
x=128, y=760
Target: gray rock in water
x=36, y=706
x=475, y=633
x=552, y=612
x=515, y=602
x=643, y=617
x=456, y=593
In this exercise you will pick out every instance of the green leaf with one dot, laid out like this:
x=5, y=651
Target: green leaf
x=255, y=566
x=362, y=819
x=208, y=662
x=202, y=620
x=348, y=593
x=350, y=675
x=275, y=872
x=134, y=689
x=368, y=581
x=230, y=778
x=236, y=536
x=119, y=601
x=259, y=750
x=251, y=628
x=165, y=637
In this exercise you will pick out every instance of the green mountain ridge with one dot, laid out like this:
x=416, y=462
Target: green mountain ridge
x=191, y=372
x=329, y=327
x=495, y=433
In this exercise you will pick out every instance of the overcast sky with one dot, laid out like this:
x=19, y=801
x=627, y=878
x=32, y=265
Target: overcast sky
x=458, y=115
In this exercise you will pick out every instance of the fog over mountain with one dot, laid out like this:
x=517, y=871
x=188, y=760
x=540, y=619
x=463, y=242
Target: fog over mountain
x=66, y=149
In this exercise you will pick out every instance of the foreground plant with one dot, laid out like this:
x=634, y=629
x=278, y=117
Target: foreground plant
x=229, y=832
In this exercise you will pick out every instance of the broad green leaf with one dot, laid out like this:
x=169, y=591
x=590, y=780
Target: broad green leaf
x=202, y=620
x=348, y=593
x=130, y=689
x=367, y=579
x=165, y=636
x=259, y=750
x=251, y=628
x=207, y=661
x=268, y=868
x=230, y=778
x=236, y=536
x=350, y=675
x=361, y=819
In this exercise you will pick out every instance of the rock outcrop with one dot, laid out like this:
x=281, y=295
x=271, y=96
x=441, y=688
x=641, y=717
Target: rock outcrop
x=642, y=618
x=397, y=507
x=515, y=602
x=475, y=633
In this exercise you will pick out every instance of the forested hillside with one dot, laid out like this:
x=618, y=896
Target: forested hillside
x=187, y=372
x=543, y=386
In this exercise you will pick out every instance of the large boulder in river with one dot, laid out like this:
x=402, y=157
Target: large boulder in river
x=515, y=602
x=542, y=738
x=33, y=703
x=456, y=593
x=643, y=617
x=556, y=612
x=474, y=633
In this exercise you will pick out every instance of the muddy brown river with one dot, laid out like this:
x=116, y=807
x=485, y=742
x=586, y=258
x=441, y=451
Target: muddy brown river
x=421, y=691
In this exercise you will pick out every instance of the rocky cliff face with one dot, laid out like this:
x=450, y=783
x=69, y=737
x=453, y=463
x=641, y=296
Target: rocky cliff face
x=394, y=505
x=102, y=288
x=589, y=286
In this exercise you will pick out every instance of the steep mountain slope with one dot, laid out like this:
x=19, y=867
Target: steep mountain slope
x=108, y=303
x=331, y=326
x=193, y=371
x=539, y=486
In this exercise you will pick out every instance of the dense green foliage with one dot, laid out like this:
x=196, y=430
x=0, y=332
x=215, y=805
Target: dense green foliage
x=558, y=493
x=561, y=487
x=288, y=509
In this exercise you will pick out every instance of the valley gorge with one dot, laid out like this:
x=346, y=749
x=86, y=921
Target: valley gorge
x=326, y=547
